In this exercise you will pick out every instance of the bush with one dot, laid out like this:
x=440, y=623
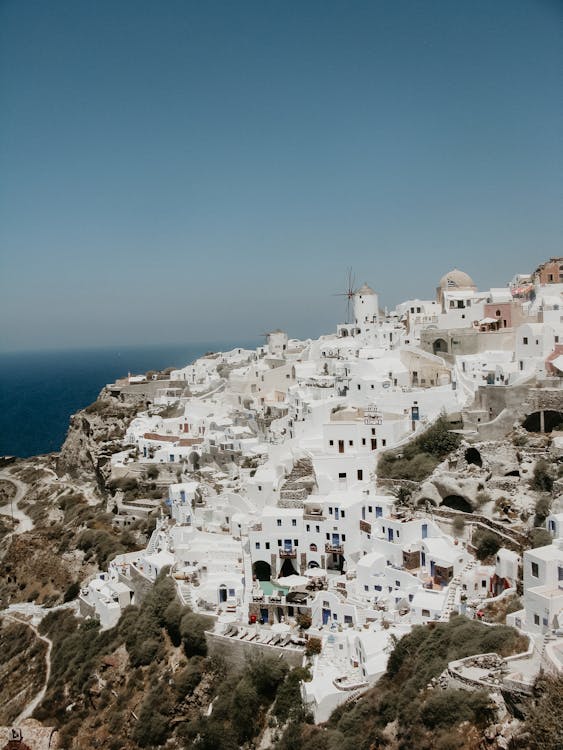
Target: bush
x=542, y=480
x=540, y=537
x=486, y=544
x=72, y=592
x=445, y=708
x=192, y=630
x=418, y=459
x=314, y=646
x=458, y=525
x=152, y=472
x=543, y=508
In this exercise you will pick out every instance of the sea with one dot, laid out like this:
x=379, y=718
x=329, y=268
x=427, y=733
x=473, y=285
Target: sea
x=39, y=391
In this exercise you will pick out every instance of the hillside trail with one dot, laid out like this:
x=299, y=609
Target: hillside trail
x=11, y=507
x=31, y=615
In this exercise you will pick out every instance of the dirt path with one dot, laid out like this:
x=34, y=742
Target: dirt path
x=11, y=508
x=31, y=615
x=32, y=705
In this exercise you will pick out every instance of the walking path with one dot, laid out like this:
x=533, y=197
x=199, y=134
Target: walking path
x=11, y=508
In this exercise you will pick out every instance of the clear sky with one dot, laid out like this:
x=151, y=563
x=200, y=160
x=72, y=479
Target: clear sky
x=189, y=171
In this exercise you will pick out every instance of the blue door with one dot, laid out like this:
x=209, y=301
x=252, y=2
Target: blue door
x=423, y=559
x=424, y=530
x=326, y=616
x=432, y=568
x=287, y=545
x=336, y=514
x=336, y=540
x=390, y=535
x=378, y=511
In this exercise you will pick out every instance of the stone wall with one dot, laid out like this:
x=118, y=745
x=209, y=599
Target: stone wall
x=236, y=652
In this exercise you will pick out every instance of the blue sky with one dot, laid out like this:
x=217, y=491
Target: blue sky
x=191, y=171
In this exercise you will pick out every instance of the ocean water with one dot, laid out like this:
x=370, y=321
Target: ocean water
x=39, y=391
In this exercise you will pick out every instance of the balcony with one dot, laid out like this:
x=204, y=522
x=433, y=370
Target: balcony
x=287, y=552
x=309, y=515
x=335, y=549
x=365, y=526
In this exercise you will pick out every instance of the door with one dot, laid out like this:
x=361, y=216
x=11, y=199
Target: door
x=336, y=514
x=390, y=535
x=335, y=540
x=432, y=568
x=326, y=616
x=287, y=545
x=373, y=444
x=341, y=446
x=424, y=530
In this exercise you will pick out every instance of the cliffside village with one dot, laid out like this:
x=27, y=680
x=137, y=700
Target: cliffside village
x=277, y=524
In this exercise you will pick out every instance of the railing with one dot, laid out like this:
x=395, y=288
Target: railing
x=313, y=517
x=287, y=552
x=335, y=549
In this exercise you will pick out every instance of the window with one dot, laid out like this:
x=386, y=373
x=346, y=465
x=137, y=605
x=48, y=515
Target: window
x=331, y=442
x=377, y=588
x=384, y=442
x=279, y=521
x=296, y=542
x=330, y=510
x=343, y=537
x=525, y=340
x=279, y=543
x=308, y=527
x=294, y=522
x=342, y=475
x=535, y=570
x=366, y=588
x=257, y=545
x=373, y=430
x=426, y=613
x=231, y=592
x=350, y=442
x=363, y=441
x=360, y=476
x=259, y=488
x=317, y=529
x=343, y=513
x=536, y=619
x=359, y=387
x=267, y=545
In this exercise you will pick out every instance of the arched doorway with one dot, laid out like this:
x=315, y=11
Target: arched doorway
x=440, y=346
x=456, y=502
x=551, y=420
x=262, y=570
x=472, y=456
x=287, y=569
x=313, y=564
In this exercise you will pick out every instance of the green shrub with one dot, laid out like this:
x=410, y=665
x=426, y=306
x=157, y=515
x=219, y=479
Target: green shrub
x=540, y=537
x=445, y=708
x=314, y=646
x=542, y=479
x=486, y=544
x=543, y=509
x=418, y=459
x=72, y=592
x=192, y=630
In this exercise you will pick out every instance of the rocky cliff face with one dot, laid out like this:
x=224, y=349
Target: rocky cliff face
x=94, y=434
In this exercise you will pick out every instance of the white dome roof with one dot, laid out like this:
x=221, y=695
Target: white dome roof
x=365, y=289
x=456, y=279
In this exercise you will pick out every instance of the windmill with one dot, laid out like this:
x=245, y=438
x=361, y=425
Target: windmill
x=349, y=293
